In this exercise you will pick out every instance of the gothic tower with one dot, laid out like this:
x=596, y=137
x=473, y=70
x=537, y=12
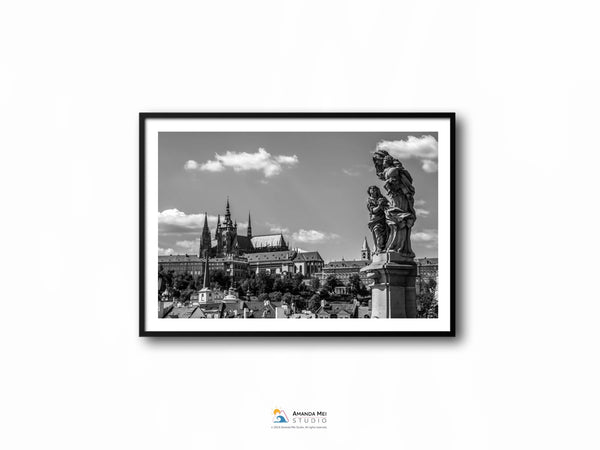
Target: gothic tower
x=229, y=230
x=365, y=252
x=249, y=226
x=205, y=241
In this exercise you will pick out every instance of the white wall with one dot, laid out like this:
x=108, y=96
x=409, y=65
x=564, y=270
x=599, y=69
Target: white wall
x=523, y=79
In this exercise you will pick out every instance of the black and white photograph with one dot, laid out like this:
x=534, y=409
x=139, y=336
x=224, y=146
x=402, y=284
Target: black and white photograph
x=299, y=225
x=254, y=224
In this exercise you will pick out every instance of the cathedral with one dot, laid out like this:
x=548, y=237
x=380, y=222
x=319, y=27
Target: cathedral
x=227, y=241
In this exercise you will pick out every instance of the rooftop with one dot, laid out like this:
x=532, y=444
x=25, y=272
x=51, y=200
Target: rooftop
x=271, y=256
x=308, y=256
x=346, y=264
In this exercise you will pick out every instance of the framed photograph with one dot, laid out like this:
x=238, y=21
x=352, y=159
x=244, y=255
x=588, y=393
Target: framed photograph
x=297, y=224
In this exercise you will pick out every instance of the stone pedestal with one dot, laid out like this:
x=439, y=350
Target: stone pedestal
x=393, y=293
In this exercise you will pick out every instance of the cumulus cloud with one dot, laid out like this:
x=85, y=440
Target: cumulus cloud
x=351, y=172
x=428, y=238
x=191, y=165
x=165, y=251
x=430, y=166
x=313, y=236
x=261, y=160
x=421, y=212
x=420, y=202
x=172, y=221
x=423, y=148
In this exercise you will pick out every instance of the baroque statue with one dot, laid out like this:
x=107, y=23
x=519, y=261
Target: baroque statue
x=391, y=220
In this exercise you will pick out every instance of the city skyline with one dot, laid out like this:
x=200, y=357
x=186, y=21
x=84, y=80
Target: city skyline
x=311, y=187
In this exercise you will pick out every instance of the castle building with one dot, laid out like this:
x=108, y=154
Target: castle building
x=237, y=254
x=227, y=241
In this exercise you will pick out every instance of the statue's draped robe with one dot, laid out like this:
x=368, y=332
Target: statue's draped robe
x=377, y=223
x=401, y=214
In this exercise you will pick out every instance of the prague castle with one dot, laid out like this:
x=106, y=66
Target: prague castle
x=227, y=241
x=238, y=255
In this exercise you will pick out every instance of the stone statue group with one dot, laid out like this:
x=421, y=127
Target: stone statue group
x=391, y=220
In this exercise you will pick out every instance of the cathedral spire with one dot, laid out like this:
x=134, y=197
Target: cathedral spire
x=218, y=229
x=249, y=226
x=205, y=241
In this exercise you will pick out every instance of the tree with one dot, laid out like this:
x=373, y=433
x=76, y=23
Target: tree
x=297, y=284
x=262, y=297
x=278, y=285
x=287, y=298
x=315, y=284
x=275, y=296
x=355, y=284
x=219, y=278
x=264, y=283
x=300, y=302
x=332, y=282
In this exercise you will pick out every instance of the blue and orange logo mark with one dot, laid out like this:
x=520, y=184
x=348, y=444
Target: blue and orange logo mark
x=279, y=416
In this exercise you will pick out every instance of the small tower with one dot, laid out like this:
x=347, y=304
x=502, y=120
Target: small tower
x=365, y=252
x=205, y=241
x=249, y=226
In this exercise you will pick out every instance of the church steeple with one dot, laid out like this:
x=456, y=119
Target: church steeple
x=218, y=229
x=249, y=226
x=227, y=214
x=205, y=241
x=365, y=252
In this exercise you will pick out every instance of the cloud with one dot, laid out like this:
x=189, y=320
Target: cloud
x=191, y=165
x=261, y=160
x=351, y=172
x=165, y=251
x=313, y=236
x=420, y=202
x=428, y=238
x=421, y=212
x=430, y=166
x=172, y=221
x=424, y=148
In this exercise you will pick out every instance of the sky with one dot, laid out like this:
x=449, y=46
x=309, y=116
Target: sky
x=310, y=186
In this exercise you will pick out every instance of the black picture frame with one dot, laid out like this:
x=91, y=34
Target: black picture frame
x=144, y=116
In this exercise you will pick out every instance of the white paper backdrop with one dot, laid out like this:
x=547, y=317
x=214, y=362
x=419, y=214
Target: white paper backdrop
x=523, y=79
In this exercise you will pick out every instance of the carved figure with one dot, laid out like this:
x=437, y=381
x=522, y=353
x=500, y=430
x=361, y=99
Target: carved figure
x=377, y=205
x=400, y=213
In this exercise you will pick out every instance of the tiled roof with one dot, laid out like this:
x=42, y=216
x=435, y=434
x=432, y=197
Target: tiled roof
x=259, y=308
x=268, y=240
x=178, y=258
x=357, y=263
x=308, y=256
x=244, y=243
x=270, y=256
x=181, y=312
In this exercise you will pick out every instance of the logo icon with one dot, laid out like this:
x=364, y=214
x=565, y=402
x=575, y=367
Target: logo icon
x=279, y=416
